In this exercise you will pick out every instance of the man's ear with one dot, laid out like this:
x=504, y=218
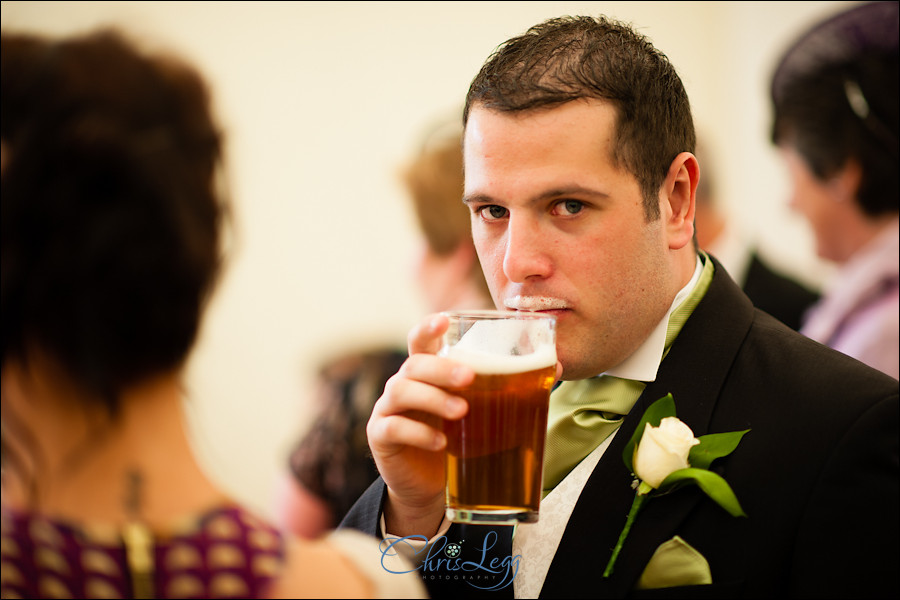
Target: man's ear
x=679, y=201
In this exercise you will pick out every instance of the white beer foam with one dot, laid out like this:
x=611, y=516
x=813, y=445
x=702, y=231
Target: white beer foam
x=535, y=303
x=487, y=347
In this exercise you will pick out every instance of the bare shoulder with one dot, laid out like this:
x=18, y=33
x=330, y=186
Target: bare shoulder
x=343, y=564
x=318, y=569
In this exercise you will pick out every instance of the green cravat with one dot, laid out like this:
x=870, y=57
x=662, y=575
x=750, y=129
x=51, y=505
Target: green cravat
x=583, y=413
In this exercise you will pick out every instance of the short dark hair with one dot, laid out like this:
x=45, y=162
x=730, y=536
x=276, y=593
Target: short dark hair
x=569, y=58
x=835, y=97
x=111, y=210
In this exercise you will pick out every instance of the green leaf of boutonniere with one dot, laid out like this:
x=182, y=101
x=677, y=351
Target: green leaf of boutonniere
x=711, y=483
x=713, y=446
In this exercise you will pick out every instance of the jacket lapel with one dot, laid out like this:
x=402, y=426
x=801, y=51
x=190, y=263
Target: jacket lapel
x=717, y=327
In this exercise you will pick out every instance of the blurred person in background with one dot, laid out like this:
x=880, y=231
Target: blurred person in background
x=112, y=221
x=770, y=290
x=834, y=97
x=332, y=466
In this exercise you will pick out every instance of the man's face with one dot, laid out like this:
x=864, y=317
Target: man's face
x=558, y=228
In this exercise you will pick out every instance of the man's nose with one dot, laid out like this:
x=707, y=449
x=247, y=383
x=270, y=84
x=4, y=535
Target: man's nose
x=526, y=255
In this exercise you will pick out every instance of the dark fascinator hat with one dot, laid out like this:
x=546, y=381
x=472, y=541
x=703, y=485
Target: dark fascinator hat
x=864, y=30
x=852, y=55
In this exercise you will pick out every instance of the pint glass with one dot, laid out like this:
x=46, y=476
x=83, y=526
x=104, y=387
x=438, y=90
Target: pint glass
x=495, y=453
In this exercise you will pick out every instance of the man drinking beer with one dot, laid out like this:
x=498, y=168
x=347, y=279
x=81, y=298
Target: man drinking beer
x=580, y=178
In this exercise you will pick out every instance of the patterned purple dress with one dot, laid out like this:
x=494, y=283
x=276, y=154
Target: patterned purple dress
x=225, y=553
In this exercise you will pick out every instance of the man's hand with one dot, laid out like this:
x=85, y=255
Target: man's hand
x=405, y=434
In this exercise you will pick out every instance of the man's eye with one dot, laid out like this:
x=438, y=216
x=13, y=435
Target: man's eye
x=571, y=207
x=492, y=212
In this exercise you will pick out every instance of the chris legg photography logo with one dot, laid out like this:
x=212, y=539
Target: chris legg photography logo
x=443, y=560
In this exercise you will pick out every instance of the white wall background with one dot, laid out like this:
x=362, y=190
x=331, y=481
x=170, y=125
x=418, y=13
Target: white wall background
x=322, y=102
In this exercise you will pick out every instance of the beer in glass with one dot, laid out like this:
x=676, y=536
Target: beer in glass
x=495, y=453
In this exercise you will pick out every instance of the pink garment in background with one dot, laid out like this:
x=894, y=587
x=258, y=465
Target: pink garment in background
x=858, y=313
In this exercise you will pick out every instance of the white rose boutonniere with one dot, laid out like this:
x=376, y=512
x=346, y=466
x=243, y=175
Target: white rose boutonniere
x=663, y=450
x=664, y=455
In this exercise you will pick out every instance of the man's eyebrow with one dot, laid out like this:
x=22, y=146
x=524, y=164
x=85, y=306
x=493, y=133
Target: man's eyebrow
x=477, y=199
x=562, y=192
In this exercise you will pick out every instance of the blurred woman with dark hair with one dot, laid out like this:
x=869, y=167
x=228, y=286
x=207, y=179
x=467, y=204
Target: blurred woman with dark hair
x=835, y=98
x=111, y=243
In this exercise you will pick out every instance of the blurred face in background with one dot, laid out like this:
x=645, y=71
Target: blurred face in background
x=440, y=278
x=825, y=204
